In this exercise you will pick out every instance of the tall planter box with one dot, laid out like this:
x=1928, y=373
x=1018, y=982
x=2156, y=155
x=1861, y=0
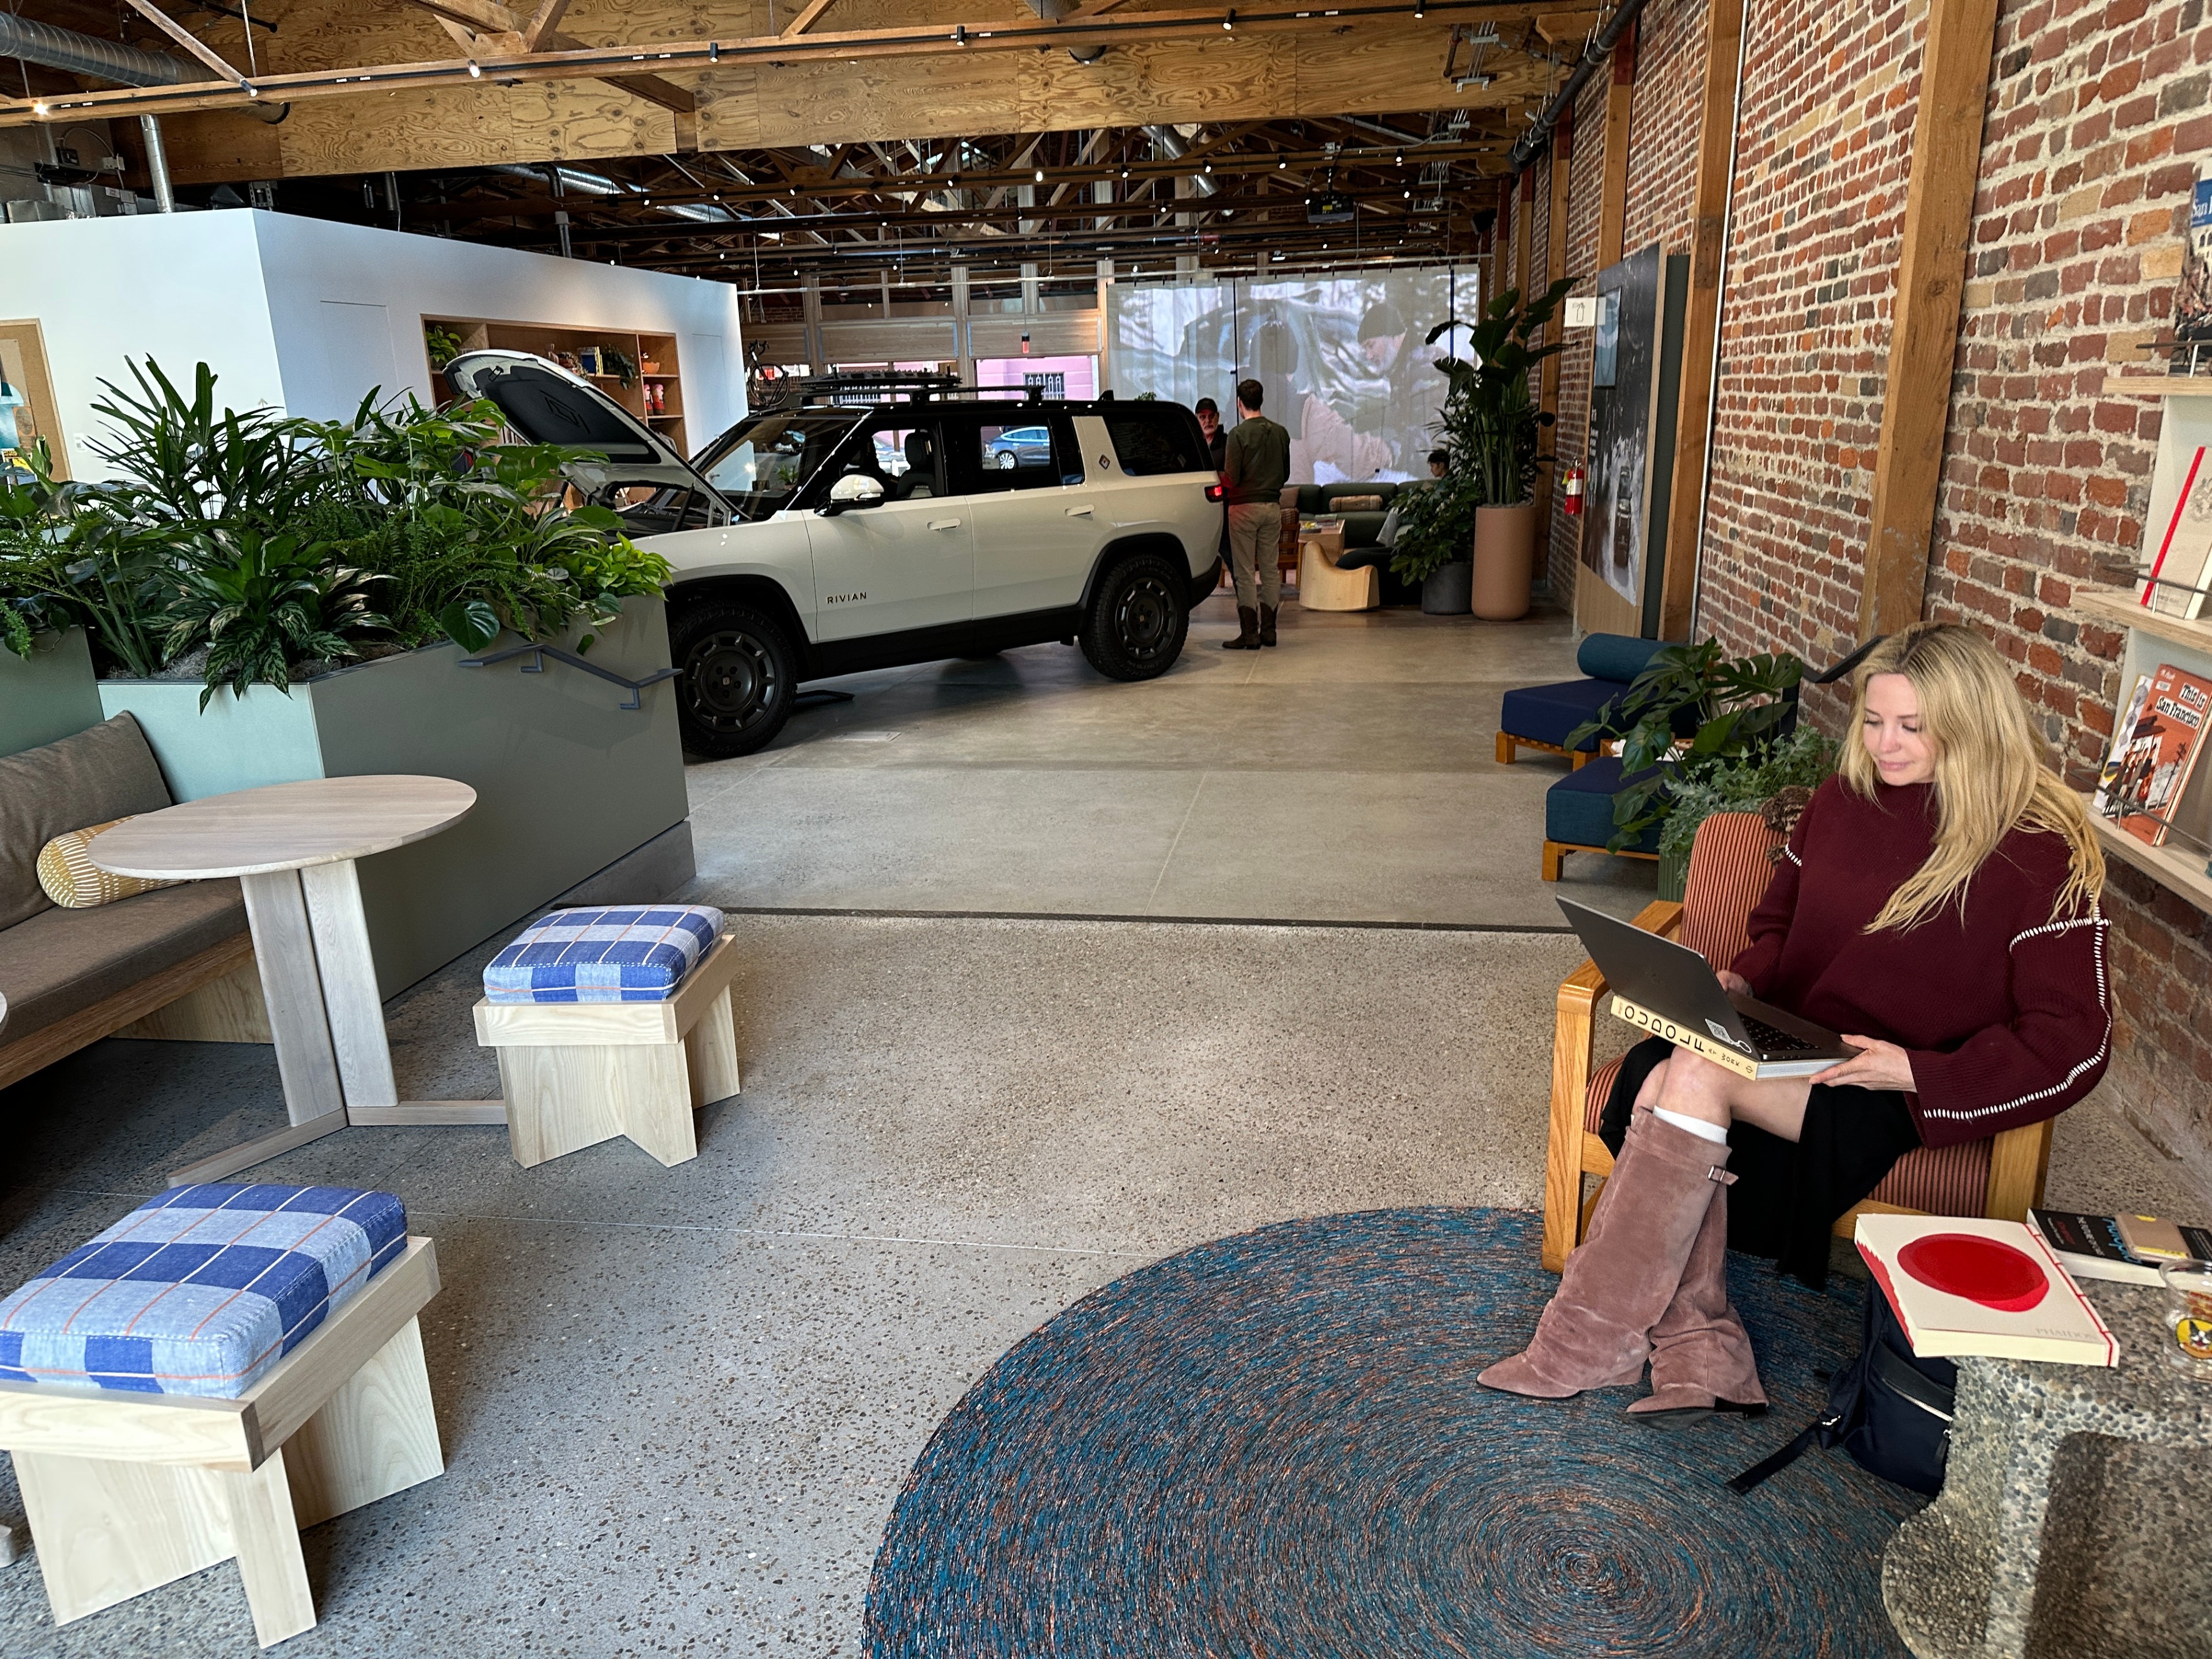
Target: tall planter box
x=50, y=696
x=568, y=781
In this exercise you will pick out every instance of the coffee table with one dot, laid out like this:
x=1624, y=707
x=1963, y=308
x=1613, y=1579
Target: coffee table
x=292, y=847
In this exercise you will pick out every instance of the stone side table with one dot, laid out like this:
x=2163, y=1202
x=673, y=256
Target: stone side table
x=1959, y=1578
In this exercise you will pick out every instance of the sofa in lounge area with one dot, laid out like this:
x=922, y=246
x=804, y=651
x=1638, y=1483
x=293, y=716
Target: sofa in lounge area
x=173, y=963
x=1363, y=527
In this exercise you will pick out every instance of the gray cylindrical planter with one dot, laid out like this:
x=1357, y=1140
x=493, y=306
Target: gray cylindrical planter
x=1674, y=875
x=1448, y=591
x=566, y=781
x=49, y=695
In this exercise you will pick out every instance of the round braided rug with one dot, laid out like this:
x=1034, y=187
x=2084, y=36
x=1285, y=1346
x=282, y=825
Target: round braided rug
x=1273, y=1445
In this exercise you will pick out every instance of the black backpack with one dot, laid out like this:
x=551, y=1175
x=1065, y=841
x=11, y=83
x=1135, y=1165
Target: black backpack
x=1890, y=1410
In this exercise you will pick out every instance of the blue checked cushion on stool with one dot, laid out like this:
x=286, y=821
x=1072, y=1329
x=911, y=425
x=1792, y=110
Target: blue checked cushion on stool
x=200, y=1290
x=626, y=953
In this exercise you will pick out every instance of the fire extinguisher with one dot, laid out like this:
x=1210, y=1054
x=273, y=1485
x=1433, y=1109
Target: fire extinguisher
x=1571, y=495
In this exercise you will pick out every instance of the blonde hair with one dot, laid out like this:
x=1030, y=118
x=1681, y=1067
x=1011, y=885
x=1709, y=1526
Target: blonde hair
x=1992, y=772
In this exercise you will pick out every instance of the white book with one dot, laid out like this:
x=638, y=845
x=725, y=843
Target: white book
x=1961, y=1285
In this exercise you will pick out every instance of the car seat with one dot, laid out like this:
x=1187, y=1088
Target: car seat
x=920, y=478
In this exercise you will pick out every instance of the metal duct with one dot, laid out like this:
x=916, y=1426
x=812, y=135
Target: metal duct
x=1524, y=153
x=85, y=54
x=1169, y=142
x=598, y=184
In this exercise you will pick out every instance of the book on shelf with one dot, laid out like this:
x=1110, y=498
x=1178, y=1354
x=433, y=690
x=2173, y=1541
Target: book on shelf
x=1962, y=1285
x=2181, y=561
x=2192, y=300
x=2155, y=744
x=2096, y=1247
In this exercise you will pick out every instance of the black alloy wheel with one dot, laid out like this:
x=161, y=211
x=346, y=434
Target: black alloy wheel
x=737, y=676
x=1138, y=619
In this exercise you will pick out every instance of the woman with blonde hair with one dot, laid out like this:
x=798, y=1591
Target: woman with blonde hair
x=1936, y=902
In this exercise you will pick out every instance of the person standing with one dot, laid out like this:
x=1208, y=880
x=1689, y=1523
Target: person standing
x=1255, y=466
x=1216, y=443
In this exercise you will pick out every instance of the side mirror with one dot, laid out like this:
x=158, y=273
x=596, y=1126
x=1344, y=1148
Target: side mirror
x=853, y=489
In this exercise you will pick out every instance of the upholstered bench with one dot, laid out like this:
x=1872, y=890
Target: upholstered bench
x=1544, y=716
x=223, y=1366
x=611, y=1022
x=1578, y=814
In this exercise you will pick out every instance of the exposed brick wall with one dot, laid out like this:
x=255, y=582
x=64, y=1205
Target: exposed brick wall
x=1663, y=139
x=2097, y=116
x=1585, y=186
x=1824, y=139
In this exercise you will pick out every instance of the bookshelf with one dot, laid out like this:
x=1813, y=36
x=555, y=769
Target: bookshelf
x=2182, y=871
x=2159, y=386
x=655, y=394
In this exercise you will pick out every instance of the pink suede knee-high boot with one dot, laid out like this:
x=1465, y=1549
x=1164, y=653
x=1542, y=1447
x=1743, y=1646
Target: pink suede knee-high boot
x=1701, y=1360
x=1593, y=1334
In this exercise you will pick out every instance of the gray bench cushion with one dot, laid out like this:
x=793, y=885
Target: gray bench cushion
x=104, y=772
x=59, y=963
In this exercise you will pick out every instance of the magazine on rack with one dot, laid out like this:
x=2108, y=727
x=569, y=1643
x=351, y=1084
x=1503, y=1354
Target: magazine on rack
x=2154, y=749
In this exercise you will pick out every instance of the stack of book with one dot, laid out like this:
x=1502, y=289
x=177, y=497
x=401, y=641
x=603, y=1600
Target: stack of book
x=1965, y=1285
x=2127, y=1250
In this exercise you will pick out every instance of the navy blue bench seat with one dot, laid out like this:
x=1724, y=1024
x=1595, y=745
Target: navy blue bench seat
x=1541, y=716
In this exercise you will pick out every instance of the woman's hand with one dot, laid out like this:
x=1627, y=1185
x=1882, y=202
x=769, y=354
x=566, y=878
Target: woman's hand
x=1734, y=984
x=1878, y=1066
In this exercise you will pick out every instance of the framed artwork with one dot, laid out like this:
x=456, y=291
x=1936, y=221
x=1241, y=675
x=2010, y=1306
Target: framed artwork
x=27, y=397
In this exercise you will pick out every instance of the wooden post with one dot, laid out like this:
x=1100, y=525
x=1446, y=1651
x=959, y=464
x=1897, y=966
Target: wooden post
x=1701, y=317
x=1555, y=266
x=1613, y=197
x=1939, y=200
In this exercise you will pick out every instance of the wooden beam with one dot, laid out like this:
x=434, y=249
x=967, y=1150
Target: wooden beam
x=489, y=32
x=1612, y=191
x=184, y=38
x=1916, y=407
x=538, y=33
x=1701, y=317
x=804, y=21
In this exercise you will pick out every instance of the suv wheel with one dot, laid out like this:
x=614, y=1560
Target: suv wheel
x=736, y=676
x=1137, y=620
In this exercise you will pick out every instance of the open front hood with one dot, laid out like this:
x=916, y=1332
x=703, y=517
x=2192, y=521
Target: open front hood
x=550, y=404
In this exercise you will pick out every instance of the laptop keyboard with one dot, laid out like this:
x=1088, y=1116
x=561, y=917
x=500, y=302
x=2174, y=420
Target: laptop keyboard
x=1773, y=1040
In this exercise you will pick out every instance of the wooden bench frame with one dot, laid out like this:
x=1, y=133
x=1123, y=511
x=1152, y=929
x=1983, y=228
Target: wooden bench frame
x=127, y=1491
x=2018, y=1158
x=212, y=997
x=1507, y=743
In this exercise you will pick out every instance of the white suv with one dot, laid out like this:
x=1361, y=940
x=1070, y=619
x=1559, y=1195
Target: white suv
x=872, y=520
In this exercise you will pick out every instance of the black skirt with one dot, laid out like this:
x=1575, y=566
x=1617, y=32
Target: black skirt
x=1789, y=1194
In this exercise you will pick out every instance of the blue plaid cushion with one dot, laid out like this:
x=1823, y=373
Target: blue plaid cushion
x=628, y=953
x=199, y=1290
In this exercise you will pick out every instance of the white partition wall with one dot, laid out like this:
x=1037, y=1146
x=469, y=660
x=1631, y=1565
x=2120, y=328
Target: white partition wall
x=305, y=315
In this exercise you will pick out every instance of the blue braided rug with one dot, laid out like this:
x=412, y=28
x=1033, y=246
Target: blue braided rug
x=1273, y=1445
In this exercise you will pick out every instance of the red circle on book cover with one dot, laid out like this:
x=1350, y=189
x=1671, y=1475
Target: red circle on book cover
x=1983, y=1270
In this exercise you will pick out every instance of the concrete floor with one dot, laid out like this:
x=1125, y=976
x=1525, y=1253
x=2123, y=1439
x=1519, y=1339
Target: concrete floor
x=677, y=1405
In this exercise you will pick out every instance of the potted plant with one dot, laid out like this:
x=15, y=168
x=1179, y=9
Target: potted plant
x=1691, y=712
x=1485, y=502
x=1802, y=760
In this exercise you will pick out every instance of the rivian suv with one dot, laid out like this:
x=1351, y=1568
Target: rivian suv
x=866, y=521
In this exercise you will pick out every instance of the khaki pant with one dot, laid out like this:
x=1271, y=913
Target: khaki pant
x=1256, y=534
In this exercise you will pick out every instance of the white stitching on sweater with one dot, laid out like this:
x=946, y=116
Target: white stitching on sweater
x=2095, y=919
x=1790, y=853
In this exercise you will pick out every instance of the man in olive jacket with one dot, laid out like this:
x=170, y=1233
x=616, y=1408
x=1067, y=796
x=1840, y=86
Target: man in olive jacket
x=1256, y=466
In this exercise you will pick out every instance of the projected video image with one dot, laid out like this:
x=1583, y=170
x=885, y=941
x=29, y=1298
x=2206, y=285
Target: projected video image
x=1341, y=358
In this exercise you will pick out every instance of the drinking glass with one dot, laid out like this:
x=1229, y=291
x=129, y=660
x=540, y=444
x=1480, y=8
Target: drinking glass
x=2188, y=1317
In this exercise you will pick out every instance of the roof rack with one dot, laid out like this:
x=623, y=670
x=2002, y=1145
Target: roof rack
x=873, y=386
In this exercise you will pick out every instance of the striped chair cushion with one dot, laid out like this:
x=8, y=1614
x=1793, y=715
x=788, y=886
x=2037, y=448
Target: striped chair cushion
x=627, y=953
x=1940, y=1179
x=200, y=1290
x=73, y=881
x=1728, y=873
x=1599, y=1091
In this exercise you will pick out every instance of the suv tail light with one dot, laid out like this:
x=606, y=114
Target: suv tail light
x=1215, y=492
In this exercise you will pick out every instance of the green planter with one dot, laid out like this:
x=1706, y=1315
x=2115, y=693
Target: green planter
x=568, y=781
x=49, y=695
x=1674, y=875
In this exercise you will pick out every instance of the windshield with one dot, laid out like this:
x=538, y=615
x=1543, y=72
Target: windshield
x=761, y=465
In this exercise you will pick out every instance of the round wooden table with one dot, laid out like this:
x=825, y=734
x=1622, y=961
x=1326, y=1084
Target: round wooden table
x=292, y=846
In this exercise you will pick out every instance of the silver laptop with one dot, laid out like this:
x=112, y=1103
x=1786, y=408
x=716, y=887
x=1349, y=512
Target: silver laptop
x=1676, y=982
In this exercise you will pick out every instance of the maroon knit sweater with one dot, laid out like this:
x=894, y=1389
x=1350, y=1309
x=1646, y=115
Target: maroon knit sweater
x=2004, y=1011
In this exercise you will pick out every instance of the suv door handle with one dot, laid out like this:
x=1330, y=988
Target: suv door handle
x=944, y=523
x=1083, y=512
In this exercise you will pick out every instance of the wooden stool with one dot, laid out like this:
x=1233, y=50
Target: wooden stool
x=576, y=1073
x=127, y=1491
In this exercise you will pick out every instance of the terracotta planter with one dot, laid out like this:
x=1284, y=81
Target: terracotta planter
x=1504, y=559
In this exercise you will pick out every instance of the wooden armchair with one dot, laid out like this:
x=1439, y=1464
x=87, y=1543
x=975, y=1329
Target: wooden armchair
x=1999, y=1177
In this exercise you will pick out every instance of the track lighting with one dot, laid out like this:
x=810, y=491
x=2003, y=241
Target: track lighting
x=475, y=74
x=1229, y=20
x=1040, y=175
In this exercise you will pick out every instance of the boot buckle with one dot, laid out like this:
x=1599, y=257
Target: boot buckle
x=1725, y=1177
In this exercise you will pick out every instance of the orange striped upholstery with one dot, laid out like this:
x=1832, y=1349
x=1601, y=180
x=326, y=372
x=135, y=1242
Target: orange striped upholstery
x=1940, y=1179
x=1728, y=873
x=1601, y=1090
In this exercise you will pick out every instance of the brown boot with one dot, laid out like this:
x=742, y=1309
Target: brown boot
x=1247, y=638
x=1701, y=1360
x=1266, y=624
x=1593, y=1334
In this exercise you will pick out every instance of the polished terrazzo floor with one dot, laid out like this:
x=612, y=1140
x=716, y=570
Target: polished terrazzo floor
x=677, y=1405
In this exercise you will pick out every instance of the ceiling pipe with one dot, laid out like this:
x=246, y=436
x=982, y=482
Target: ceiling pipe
x=1169, y=142
x=157, y=163
x=105, y=60
x=1524, y=154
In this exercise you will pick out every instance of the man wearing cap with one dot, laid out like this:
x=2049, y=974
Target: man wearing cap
x=1255, y=466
